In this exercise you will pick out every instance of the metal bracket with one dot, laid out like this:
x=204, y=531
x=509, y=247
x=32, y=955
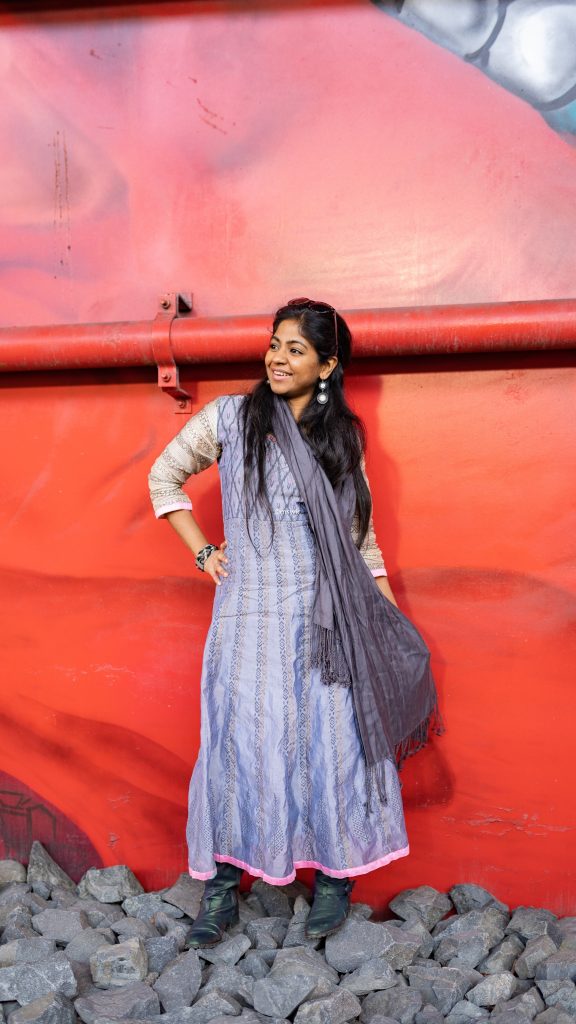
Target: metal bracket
x=171, y=306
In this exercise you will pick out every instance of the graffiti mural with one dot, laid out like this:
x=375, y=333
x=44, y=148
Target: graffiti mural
x=248, y=153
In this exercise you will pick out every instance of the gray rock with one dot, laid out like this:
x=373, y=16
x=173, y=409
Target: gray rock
x=99, y=914
x=379, y=1018
x=44, y=874
x=445, y=987
x=562, y=930
x=425, y=903
x=527, y=1003
x=468, y=896
x=415, y=929
x=134, y=928
x=110, y=885
x=267, y=932
x=60, y=925
x=133, y=1001
x=178, y=931
x=28, y=981
x=428, y=1015
x=503, y=955
x=512, y=1015
x=254, y=965
x=559, y=966
x=536, y=951
x=26, y=951
x=120, y=965
x=493, y=989
x=554, y=1016
x=185, y=894
x=161, y=951
x=232, y=981
x=11, y=871
x=273, y=898
x=530, y=922
x=464, y=1012
x=278, y=996
x=180, y=981
x=12, y=893
x=564, y=997
x=402, y=1004
x=148, y=906
x=296, y=934
x=355, y=941
x=85, y=944
x=470, y=947
x=35, y=903
x=361, y=910
x=490, y=920
x=371, y=976
x=228, y=951
x=308, y=962
x=53, y=1008
x=18, y=925
x=336, y=1008
x=208, y=1006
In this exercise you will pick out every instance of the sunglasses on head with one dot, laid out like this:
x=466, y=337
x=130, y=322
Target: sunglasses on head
x=318, y=307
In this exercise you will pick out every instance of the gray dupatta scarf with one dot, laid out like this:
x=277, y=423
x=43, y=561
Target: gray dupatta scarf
x=360, y=638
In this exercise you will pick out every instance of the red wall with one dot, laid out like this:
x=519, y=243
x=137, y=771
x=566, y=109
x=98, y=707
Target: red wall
x=252, y=152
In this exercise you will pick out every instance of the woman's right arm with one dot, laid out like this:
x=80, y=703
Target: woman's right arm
x=193, y=449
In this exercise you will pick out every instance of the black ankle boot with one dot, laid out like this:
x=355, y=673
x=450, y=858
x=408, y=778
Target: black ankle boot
x=219, y=907
x=330, y=905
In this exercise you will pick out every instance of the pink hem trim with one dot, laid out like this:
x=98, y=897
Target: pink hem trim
x=172, y=508
x=203, y=876
x=378, y=572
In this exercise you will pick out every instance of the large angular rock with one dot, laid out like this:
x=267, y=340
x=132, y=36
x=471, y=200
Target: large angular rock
x=469, y=947
x=100, y=915
x=137, y=1001
x=254, y=965
x=402, y=1004
x=489, y=920
x=85, y=944
x=186, y=894
x=530, y=922
x=493, y=989
x=336, y=1008
x=468, y=896
x=535, y=952
x=110, y=885
x=26, y=951
x=307, y=962
x=428, y=1015
x=464, y=1012
x=273, y=898
x=53, y=1008
x=502, y=956
x=355, y=941
x=278, y=996
x=134, y=928
x=148, y=906
x=296, y=934
x=44, y=874
x=554, y=1016
x=442, y=987
x=25, y=982
x=161, y=951
x=425, y=903
x=372, y=976
x=414, y=929
x=564, y=997
x=119, y=965
x=228, y=951
x=209, y=1006
x=11, y=871
x=267, y=932
x=180, y=981
x=230, y=980
x=560, y=966
x=18, y=925
x=60, y=925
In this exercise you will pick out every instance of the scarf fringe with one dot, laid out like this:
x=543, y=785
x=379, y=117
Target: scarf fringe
x=410, y=745
x=328, y=656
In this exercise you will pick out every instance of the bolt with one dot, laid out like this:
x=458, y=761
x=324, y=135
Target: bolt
x=182, y=404
x=165, y=303
x=165, y=375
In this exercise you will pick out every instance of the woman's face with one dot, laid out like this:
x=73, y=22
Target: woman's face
x=292, y=364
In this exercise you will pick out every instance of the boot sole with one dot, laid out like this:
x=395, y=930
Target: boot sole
x=324, y=935
x=208, y=945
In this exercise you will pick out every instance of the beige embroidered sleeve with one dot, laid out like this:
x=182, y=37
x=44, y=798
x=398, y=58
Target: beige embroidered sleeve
x=193, y=449
x=370, y=551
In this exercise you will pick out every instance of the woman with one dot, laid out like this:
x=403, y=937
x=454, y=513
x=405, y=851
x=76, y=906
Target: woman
x=314, y=685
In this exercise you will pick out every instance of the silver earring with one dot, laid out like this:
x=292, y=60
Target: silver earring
x=322, y=395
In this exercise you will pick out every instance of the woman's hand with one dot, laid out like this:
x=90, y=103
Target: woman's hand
x=215, y=565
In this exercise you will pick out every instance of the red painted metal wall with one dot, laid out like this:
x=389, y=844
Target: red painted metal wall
x=251, y=152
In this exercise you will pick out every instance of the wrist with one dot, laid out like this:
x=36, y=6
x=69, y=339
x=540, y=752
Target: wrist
x=204, y=554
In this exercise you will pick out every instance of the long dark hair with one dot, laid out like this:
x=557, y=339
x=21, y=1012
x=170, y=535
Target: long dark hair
x=334, y=432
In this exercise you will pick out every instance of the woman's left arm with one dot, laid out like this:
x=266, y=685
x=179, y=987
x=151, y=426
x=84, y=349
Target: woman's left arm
x=372, y=554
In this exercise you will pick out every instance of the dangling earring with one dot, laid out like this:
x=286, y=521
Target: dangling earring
x=322, y=395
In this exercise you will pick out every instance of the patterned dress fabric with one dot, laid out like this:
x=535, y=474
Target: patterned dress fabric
x=280, y=780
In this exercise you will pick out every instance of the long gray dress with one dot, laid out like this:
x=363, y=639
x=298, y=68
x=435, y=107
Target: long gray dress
x=280, y=781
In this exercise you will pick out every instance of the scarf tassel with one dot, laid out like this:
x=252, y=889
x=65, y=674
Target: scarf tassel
x=328, y=656
x=376, y=773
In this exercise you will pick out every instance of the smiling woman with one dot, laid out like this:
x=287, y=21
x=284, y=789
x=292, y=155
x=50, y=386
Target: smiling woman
x=303, y=719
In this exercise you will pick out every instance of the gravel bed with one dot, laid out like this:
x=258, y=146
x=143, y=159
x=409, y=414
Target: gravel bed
x=105, y=950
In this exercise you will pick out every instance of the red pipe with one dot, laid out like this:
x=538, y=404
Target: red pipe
x=420, y=330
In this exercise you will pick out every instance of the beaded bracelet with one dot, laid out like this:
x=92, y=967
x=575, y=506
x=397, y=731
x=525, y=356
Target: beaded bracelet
x=203, y=556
